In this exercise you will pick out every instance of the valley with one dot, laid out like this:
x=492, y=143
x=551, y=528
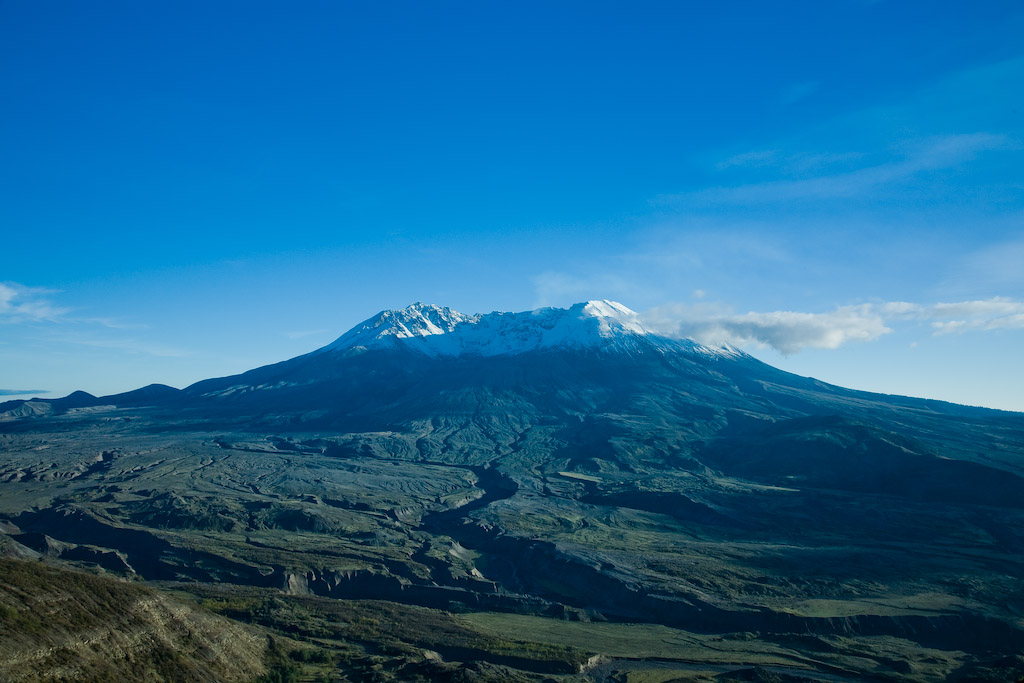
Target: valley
x=705, y=559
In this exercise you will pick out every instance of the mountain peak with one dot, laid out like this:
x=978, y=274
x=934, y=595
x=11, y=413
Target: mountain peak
x=440, y=331
x=612, y=315
x=385, y=328
x=419, y=320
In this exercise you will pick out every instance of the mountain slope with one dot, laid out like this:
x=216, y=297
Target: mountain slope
x=65, y=625
x=423, y=364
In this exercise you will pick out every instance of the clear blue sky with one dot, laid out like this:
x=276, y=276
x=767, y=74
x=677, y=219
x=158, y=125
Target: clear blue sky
x=192, y=189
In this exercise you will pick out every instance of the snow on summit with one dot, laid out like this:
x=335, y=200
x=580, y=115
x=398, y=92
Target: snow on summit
x=440, y=331
x=418, y=320
x=609, y=311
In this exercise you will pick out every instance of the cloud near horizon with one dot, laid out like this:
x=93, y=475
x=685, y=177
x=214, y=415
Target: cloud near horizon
x=19, y=303
x=22, y=392
x=790, y=332
x=24, y=306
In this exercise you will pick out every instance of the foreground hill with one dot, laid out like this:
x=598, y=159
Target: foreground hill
x=68, y=625
x=524, y=472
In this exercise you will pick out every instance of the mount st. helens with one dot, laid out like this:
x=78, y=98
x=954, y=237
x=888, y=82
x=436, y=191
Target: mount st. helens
x=557, y=463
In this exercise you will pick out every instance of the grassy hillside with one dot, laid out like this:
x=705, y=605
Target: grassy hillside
x=58, y=624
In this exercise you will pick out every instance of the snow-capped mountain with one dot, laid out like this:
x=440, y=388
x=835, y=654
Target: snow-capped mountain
x=549, y=368
x=554, y=442
x=437, y=331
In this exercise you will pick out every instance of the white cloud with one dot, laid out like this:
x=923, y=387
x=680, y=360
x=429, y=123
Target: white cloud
x=988, y=308
x=998, y=313
x=789, y=332
x=900, y=309
x=19, y=303
x=785, y=331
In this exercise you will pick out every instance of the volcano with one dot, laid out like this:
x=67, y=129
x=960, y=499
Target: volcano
x=556, y=466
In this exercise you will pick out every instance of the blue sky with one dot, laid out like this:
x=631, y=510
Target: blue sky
x=192, y=189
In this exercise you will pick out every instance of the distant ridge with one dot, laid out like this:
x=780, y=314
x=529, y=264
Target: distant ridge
x=34, y=407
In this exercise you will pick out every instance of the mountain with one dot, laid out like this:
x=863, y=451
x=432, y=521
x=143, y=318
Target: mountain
x=404, y=368
x=147, y=395
x=400, y=366
x=561, y=474
x=436, y=331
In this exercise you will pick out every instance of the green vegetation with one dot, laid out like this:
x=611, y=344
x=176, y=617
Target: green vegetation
x=380, y=626
x=95, y=628
x=363, y=562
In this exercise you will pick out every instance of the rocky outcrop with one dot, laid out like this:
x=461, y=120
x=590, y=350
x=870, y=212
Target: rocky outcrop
x=136, y=549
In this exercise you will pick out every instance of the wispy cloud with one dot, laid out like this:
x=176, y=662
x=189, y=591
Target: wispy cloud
x=46, y=323
x=789, y=332
x=997, y=313
x=922, y=156
x=113, y=323
x=19, y=303
x=22, y=392
x=128, y=345
x=755, y=158
x=881, y=149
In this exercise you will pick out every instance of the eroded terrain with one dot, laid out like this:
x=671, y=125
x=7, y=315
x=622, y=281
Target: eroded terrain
x=548, y=555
